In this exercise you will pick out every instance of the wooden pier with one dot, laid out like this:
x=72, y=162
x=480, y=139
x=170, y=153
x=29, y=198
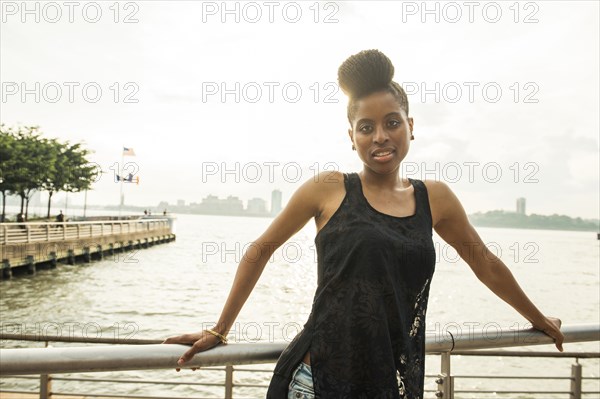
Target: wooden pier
x=28, y=245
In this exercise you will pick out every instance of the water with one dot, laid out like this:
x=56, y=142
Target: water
x=181, y=286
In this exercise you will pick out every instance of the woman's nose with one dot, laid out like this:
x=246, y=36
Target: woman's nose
x=380, y=135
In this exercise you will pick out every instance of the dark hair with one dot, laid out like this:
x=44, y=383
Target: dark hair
x=365, y=73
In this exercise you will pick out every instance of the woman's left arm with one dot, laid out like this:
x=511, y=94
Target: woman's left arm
x=452, y=225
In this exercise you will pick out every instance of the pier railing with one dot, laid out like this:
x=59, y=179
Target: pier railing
x=34, y=232
x=26, y=246
x=151, y=355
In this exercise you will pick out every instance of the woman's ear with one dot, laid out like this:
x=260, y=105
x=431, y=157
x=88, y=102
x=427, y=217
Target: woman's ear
x=351, y=139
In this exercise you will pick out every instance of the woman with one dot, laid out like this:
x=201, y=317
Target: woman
x=365, y=336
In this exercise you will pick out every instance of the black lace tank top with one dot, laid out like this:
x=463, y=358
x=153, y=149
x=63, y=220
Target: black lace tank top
x=366, y=330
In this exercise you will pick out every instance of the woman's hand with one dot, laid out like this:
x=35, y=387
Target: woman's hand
x=200, y=341
x=551, y=327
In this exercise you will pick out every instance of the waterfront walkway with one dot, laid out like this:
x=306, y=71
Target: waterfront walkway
x=31, y=244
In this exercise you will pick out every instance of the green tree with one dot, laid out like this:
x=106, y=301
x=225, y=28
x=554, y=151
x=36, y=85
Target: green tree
x=34, y=164
x=80, y=174
x=29, y=162
x=55, y=180
x=7, y=179
x=23, y=165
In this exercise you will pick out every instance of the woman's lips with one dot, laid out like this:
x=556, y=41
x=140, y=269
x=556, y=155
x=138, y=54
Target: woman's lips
x=383, y=156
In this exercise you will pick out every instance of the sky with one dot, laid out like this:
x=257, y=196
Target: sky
x=241, y=98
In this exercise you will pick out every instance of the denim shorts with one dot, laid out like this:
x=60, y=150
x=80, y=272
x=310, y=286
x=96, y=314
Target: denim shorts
x=301, y=386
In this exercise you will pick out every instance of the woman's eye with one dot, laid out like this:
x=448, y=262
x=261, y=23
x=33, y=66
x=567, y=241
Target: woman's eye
x=365, y=128
x=394, y=123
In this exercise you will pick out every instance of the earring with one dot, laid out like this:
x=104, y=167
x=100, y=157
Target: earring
x=353, y=147
x=411, y=136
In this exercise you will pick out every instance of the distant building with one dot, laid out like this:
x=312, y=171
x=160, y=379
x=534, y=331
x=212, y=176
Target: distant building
x=256, y=206
x=214, y=205
x=210, y=203
x=521, y=206
x=234, y=204
x=275, y=202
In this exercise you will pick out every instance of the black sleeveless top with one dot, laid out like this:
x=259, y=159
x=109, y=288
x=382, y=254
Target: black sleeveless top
x=366, y=330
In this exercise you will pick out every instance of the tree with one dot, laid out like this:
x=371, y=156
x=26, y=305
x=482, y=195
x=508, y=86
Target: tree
x=56, y=180
x=6, y=166
x=34, y=164
x=80, y=174
x=20, y=162
x=29, y=162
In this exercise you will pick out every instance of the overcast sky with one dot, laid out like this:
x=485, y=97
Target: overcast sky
x=505, y=95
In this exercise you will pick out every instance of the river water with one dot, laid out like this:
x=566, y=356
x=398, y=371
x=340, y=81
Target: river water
x=181, y=286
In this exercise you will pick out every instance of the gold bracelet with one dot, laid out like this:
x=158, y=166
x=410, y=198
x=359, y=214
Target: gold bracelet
x=216, y=334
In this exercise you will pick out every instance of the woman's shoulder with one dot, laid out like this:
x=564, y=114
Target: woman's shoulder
x=327, y=177
x=316, y=192
x=320, y=186
x=435, y=187
x=437, y=191
x=327, y=181
x=442, y=200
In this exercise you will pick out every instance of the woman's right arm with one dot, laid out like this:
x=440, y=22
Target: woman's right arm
x=304, y=204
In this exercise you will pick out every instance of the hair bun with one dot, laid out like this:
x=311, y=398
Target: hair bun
x=364, y=73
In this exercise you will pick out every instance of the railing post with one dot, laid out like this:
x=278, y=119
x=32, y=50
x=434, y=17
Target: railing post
x=28, y=233
x=45, y=384
x=228, y=381
x=575, y=380
x=445, y=379
x=48, y=232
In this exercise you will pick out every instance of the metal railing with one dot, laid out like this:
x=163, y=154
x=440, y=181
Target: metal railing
x=22, y=233
x=46, y=361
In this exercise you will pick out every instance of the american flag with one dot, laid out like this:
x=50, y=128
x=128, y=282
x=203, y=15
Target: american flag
x=128, y=151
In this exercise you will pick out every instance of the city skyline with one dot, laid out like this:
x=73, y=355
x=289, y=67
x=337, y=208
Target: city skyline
x=185, y=206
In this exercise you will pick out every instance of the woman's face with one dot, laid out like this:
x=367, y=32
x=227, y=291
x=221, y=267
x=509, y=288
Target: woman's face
x=381, y=132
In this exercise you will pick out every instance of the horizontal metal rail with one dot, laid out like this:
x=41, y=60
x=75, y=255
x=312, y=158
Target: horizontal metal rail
x=578, y=355
x=128, y=357
x=71, y=338
x=147, y=341
x=161, y=356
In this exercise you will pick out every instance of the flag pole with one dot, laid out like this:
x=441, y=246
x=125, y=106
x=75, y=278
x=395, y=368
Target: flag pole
x=121, y=168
